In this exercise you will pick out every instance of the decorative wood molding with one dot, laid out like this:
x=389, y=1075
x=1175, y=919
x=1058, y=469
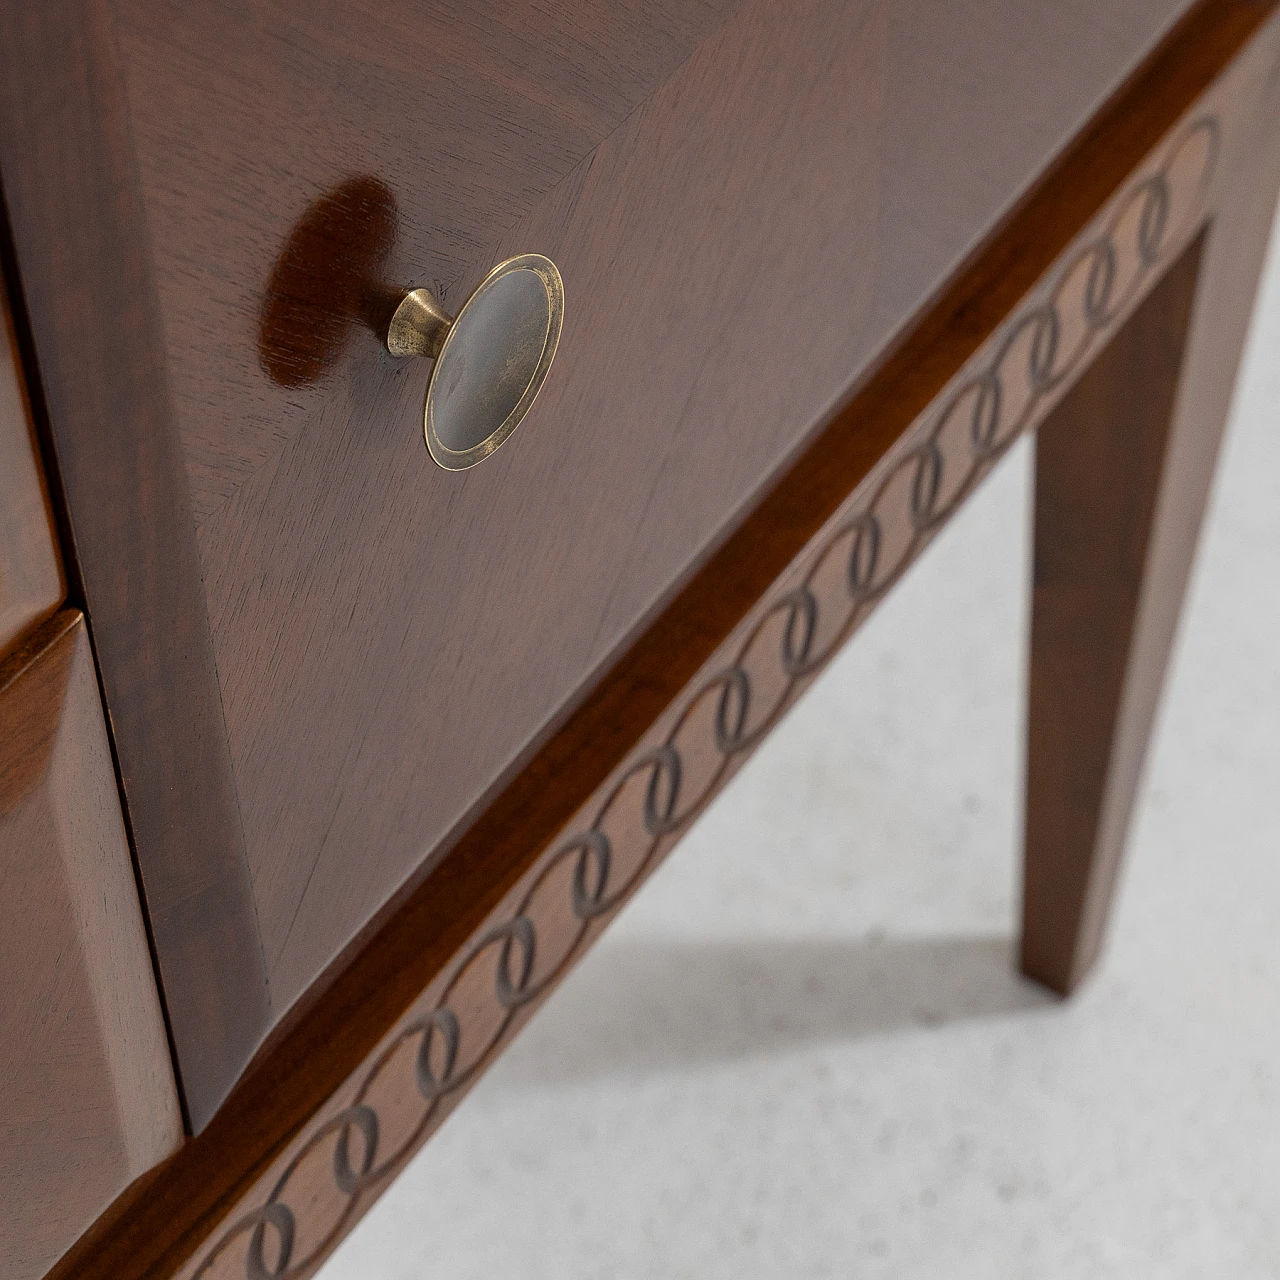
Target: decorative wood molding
x=329, y=1174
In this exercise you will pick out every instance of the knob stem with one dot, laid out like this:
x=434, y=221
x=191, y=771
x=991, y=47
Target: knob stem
x=419, y=326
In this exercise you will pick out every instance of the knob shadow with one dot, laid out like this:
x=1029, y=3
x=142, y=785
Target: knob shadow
x=328, y=279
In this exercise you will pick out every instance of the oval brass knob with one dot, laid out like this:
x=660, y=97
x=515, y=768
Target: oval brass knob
x=491, y=359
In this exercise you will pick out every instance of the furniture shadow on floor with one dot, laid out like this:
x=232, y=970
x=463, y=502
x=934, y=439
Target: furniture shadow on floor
x=646, y=1006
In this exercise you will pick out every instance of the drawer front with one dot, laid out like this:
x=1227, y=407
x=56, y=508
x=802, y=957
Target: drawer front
x=31, y=582
x=747, y=200
x=389, y=635
x=85, y=1073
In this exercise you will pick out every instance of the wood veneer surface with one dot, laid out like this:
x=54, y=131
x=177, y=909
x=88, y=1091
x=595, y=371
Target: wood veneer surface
x=1122, y=480
x=322, y=655
x=1099, y=461
x=742, y=221
x=89, y=1096
x=84, y=301
x=31, y=581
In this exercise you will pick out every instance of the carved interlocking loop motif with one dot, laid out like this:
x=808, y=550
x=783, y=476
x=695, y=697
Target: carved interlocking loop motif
x=857, y=559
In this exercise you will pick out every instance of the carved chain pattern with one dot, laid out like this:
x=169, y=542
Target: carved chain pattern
x=777, y=651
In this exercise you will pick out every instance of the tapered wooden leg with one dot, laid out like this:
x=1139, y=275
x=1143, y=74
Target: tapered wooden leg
x=1123, y=467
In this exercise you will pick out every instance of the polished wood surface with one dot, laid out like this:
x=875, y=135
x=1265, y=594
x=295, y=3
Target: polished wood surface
x=450, y=121
x=1122, y=476
x=433, y=946
x=77, y=224
x=31, y=581
x=390, y=641
x=323, y=656
x=85, y=1073
x=1098, y=468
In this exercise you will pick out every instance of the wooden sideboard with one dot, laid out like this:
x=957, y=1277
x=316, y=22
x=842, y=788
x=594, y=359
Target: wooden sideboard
x=393, y=742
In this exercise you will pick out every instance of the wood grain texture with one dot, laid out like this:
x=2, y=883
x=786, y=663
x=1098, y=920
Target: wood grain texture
x=1098, y=467
x=31, y=581
x=360, y=600
x=89, y=1097
x=344, y=598
x=1122, y=476
x=88, y=304
x=466, y=114
x=423, y=1065
x=435, y=946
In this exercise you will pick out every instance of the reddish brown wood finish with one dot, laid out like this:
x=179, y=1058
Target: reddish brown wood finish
x=412, y=954
x=1098, y=466
x=356, y=653
x=1122, y=474
x=391, y=639
x=85, y=1073
x=31, y=582
x=89, y=307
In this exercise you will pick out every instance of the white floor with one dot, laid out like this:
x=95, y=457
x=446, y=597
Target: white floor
x=801, y=1052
